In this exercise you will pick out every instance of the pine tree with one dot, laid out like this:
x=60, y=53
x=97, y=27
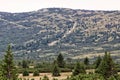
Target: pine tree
x=86, y=61
x=97, y=62
x=1, y=73
x=60, y=61
x=106, y=67
x=9, y=69
x=1, y=76
x=79, y=69
x=56, y=71
x=24, y=64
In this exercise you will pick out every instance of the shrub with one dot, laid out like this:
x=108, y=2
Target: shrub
x=55, y=79
x=36, y=73
x=25, y=73
x=45, y=78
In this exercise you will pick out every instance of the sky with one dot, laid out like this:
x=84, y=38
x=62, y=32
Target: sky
x=33, y=5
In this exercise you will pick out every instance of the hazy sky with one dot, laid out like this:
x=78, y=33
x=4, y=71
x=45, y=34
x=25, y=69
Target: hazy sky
x=32, y=5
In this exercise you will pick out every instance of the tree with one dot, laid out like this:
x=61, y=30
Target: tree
x=56, y=71
x=9, y=69
x=60, y=61
x=78, y=69
x=24, y=64
x=97, y=62
x=86, y=61
x=107, y=66
x=1, y=74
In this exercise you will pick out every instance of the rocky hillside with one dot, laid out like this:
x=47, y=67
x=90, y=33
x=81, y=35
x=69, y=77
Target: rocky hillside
x=47, y=32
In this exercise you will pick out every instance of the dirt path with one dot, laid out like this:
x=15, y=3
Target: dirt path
x=63, y=76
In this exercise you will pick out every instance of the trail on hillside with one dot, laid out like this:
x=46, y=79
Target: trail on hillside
x=17, y=25
x=65, y=35
x=70, y=31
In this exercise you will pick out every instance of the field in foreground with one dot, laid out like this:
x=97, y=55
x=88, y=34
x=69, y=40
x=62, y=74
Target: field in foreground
x=64, y=75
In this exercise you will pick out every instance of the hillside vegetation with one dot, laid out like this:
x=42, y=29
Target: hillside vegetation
x=44, y=33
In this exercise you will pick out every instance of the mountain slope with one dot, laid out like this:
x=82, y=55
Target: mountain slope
x=46, y=32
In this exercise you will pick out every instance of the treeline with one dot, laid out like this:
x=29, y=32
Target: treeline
x=9, y=71
x=104, y=68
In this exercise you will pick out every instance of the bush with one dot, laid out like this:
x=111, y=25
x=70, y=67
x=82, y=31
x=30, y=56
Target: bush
x=20, y=79
x=38, y=65
x=25, y=73
x=36, y=73
x=65, y=70
x=45, y=78
x=87, y=77
x=55, y=79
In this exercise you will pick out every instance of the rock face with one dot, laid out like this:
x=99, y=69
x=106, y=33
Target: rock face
x=46, y=32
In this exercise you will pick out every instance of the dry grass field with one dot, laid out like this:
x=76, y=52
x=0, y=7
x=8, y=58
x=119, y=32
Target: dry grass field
x=63, y=76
